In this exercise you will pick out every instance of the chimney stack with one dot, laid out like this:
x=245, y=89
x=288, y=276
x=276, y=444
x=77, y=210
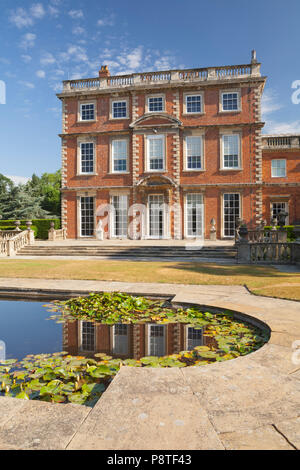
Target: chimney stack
x=104, y=72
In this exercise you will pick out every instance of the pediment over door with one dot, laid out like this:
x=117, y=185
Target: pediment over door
x=155, y=180
x=156, y=120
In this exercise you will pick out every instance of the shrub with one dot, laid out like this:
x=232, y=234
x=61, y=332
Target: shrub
x=39, y=226
x=22, y=227
x=290, y=231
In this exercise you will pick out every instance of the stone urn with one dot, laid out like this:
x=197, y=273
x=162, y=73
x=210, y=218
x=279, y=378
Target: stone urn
x=17, y=224
x=243, y=233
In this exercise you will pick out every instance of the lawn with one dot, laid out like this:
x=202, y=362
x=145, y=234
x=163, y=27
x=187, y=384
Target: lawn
x=261, y=280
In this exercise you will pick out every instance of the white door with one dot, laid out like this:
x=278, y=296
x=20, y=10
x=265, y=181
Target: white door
x=120, y=339
x=119, y=217
x=87, y=342
x=277, y=207
x=156, y=216
x=156, y=340
x=194, y=337
x=231, y=211
x=87, y=216
x=194, y=215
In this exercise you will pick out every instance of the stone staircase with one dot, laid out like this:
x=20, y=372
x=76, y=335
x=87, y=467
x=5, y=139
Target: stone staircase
x=130, y=252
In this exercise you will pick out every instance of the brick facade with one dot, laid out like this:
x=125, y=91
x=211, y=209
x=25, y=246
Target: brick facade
x=158, y=126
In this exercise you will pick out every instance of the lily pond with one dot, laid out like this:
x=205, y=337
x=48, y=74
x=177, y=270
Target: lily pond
x=69, y=351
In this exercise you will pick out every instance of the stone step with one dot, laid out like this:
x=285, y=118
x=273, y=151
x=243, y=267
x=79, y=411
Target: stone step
x=129, y=251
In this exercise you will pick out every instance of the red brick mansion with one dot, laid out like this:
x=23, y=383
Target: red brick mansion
x=158, y=155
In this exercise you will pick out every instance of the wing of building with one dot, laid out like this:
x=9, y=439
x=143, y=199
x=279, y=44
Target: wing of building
x=166, y=154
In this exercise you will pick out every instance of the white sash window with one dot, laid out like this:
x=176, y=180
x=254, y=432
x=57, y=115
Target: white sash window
x=231, y=151
x=119, y=155
x=194, y=153
x=155, y=153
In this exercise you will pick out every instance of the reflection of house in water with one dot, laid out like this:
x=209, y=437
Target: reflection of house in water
x=131, y=341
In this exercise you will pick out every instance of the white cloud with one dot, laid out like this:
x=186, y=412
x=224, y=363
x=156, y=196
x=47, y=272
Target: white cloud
x=28, y=40
x=22, y=18
x=18, y=179
x=53, y=11
x=47, y=59
x=270, y=102
x=40, y=73
x=163, y=63
x=78, y=30
x=26, y=58
x=76, y=14
x=27, y=84
x=274, y=127
x=37, y=10
x=106, y=21
x=75, y=53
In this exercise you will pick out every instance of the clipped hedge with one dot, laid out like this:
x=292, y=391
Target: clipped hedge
x=290, y=231
x=22, y=227
x=41, y=226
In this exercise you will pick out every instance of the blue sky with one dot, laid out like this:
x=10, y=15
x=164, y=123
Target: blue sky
x=43, y=43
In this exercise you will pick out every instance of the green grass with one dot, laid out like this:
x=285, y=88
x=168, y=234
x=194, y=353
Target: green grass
x=262, y=280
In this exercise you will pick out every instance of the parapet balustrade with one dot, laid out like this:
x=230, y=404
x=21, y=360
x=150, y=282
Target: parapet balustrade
x=280, y=142
x=277, y=253
x=140, y=79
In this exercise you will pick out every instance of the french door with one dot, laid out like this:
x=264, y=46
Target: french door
x=231, y=211
x=156, y=340
x=87, y=216
x=156, y=216
x=194, y=215
x=277, y=207
x=87, y=336
x=194, y=337
x=119, y=217
x=120, y=339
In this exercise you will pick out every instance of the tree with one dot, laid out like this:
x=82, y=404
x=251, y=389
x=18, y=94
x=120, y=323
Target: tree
x=47, y=187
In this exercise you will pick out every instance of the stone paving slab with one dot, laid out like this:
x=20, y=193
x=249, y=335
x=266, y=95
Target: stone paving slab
x=291, y=430
x=264, y=438
x=243, y=395
x=251, y=402
x=142, y=417
x=39, y=425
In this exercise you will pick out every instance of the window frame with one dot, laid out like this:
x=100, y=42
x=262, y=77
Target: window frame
x=202, y=215
x=85, y=103
x=185, y=108
x=147, y=159
x=278, y=160
x=223, y=211
x=80, y=158
x=112, y=159
x=158, y=95
x=222, y=160
x=185, y=150
x=286, y=208
x=239, y=103
x=118, y=100
x=81, y=348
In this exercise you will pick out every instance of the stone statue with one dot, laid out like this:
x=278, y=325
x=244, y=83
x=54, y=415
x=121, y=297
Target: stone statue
x=99, y=231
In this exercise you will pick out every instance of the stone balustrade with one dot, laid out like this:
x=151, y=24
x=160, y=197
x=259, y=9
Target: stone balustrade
x=268, y=253
x=280, y=142
x=11, y=241
x=56, y=234
x=169, y=76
